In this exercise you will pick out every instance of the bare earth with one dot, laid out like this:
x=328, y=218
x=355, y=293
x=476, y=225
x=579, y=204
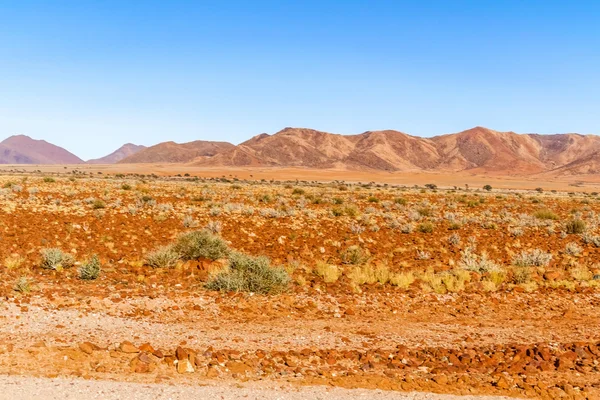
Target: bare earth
x=414, y=307
x=29, y=388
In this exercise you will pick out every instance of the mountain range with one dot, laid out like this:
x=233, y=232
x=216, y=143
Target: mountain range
x=477, y=150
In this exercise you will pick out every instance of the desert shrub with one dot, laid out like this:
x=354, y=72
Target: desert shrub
x=189, y=222
x=56, y=259
x=424, y=211
x=354, y=255
x=402, y=280
x=431, y=186
x=454, y=239
x=163, y=257
x=126, y=186
x=575, y=226
x=400, y=200
x=590, y=239
x=23, y=285
x=373, y=199
x=545, y=213
x=338, y=200
x=298, y=191
x=573, y=249
x=49, y=179
x=477, y=263
x=487, y=187
x=98, y=204
x=425, y=227
x=90, y=269
x=329, y=273
x=369, y=275
x=532, y=258
x=337, y=212
x=250, y=274
x=201, y=244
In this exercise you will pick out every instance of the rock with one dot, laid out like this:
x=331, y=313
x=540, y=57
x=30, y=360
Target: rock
x=503, y=383
x=128, y=347
x=147, y=348
x=440, y=379
x=237, y=367
x=212, y=372
x=144, y=357
x=181, y=353
x=87, y=347
x=185, y=366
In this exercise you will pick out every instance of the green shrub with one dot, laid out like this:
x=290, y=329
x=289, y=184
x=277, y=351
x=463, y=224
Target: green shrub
x=487, y=187
x=575, y=226
x=49, y=179
x=354, y=255
x=545, y=213
x=298, y=191
x=201, y=244
x=90, y=269
x=373, y=199
x=400, y=200
x=98, y=204
x=163, y=257
x=126, y=186
x=56, y=259
x=250, y=274
x=425, y=227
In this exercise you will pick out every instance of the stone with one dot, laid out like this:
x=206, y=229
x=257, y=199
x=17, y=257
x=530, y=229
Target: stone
x=181, y=353
x=128, y=347
x=86, y=347
x=185, y=366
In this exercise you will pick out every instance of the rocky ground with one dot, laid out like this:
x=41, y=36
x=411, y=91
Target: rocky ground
x=410, y=313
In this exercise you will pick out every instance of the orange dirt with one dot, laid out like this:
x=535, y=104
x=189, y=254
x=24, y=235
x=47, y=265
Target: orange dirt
x=509, y=330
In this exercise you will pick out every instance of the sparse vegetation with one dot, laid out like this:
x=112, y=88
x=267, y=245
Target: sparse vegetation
x=56, y=259
x=250, y=274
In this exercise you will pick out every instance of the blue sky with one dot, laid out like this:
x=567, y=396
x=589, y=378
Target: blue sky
x=92, y=75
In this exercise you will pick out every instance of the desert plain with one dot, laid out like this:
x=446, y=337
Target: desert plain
x=399, y=282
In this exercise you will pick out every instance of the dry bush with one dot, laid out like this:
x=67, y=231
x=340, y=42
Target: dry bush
x=330, y=273
x=532, y=258
x=23, y=285
x=250, y=274
x=545, y=213
x=56, y=259
x=403, y=280
x=354, y=255
x=90, y=270
x=575, y=226
x=163, y=257
x=201, y=244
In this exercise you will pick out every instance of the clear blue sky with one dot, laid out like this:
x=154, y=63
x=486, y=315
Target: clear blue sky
x=92, y=75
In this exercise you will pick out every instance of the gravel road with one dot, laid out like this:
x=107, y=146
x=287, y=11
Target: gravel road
x=29, y=388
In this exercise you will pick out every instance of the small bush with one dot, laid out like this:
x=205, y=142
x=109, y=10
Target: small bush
x=163, y=257
x=425, y=227
x=56, y=259
x=49, y=179
x=487, y=187
x=354, y=255
x=575, y=226
x=532, y=258
x=373, y=199
x=201, y=244
x=545, y=213
x=250, y=274
x=22, y=285
x=329, y=273
x=126, y=186
x=90, y=269
x=98, y=204
x=298, y=191
x=400, y=200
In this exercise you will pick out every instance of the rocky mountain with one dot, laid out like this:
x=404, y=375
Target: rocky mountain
x=21, y=149
x=121, y=153
x=171, y=152
x=478, y=150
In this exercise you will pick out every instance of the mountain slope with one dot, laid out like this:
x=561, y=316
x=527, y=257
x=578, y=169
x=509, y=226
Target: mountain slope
x=121, y=153
x=21, y=149
x=171, y=152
